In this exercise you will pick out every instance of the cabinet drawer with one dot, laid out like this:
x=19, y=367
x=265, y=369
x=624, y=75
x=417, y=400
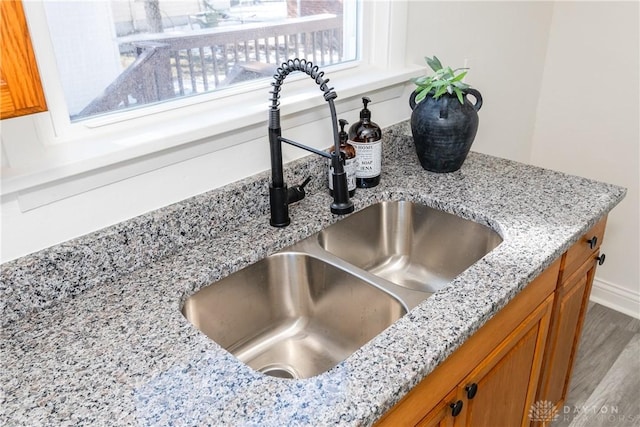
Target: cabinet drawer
x=588, y=244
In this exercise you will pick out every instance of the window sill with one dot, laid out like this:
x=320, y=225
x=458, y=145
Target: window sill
x=54, y=171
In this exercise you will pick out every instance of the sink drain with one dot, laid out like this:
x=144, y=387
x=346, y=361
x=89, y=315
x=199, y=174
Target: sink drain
x=280, y=371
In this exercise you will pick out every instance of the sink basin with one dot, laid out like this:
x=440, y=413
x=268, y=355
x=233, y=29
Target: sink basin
x=300, y=312
x=292, y=315
x=411, y=245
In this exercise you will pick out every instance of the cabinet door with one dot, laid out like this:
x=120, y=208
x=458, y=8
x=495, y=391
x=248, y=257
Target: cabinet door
x=429, y=403
x=441, y=415
x=20, y=88
x=570, y=307
x=500, y=391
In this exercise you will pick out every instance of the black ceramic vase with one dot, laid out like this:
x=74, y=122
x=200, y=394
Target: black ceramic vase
x=443, y=129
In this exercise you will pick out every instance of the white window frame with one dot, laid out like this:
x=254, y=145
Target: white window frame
x=47, y=158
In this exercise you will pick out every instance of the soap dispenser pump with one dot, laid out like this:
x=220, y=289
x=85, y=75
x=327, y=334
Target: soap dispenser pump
x=349, y=159
x=366, y=138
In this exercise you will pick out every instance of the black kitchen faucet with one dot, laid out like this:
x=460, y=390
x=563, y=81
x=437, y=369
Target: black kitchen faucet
x=279, y=195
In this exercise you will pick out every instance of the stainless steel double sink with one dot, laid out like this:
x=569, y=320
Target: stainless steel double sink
x=303, y=310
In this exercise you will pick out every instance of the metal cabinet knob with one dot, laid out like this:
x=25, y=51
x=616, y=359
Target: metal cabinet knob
x=456, y=408
x=592, y=242
x=601, y=259
x=471, y=390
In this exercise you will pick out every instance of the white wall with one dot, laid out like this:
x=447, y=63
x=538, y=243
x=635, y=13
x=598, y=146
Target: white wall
x=588, y=124
x=504, y=44
x=542, y=68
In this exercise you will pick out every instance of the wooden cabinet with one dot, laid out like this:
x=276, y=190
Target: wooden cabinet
x=523, y=355
x=492, y=379
x=20, y=88
x=501, y=389
x=577, y=271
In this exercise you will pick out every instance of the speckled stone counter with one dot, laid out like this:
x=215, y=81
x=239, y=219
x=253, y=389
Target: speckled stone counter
x=93, y=333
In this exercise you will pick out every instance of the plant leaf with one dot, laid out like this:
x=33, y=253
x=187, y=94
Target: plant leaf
x=421, y=80
x=443, y=80
x=441, y=91
x=461, y=85
x=448, y=72
x=459, y=94
x=421, y=95
x=459, y=77
x=434, y=63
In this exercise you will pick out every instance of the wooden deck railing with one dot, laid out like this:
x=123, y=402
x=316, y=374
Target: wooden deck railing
x=170, y=65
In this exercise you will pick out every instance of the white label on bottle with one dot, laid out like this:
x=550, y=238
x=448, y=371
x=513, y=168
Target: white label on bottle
x=369, y=155
x=350, y=167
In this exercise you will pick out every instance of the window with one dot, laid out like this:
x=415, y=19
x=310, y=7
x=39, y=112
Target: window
x=115, y=55
x=48, y=156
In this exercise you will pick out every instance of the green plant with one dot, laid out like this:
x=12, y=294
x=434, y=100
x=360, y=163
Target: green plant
x=444, y=80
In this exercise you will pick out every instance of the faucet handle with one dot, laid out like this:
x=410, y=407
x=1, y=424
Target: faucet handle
x=297, y=193
x=305, y=182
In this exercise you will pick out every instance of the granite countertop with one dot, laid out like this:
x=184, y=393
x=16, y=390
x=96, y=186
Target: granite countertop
x=93, y=333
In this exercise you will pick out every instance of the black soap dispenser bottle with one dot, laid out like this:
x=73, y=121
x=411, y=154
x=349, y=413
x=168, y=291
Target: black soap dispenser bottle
x=348, y=156
x=366, y=137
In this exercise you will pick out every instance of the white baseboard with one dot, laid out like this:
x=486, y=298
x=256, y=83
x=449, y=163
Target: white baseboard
x=616, y=297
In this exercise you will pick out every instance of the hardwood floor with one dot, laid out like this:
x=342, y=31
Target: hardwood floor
x=605, y=386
